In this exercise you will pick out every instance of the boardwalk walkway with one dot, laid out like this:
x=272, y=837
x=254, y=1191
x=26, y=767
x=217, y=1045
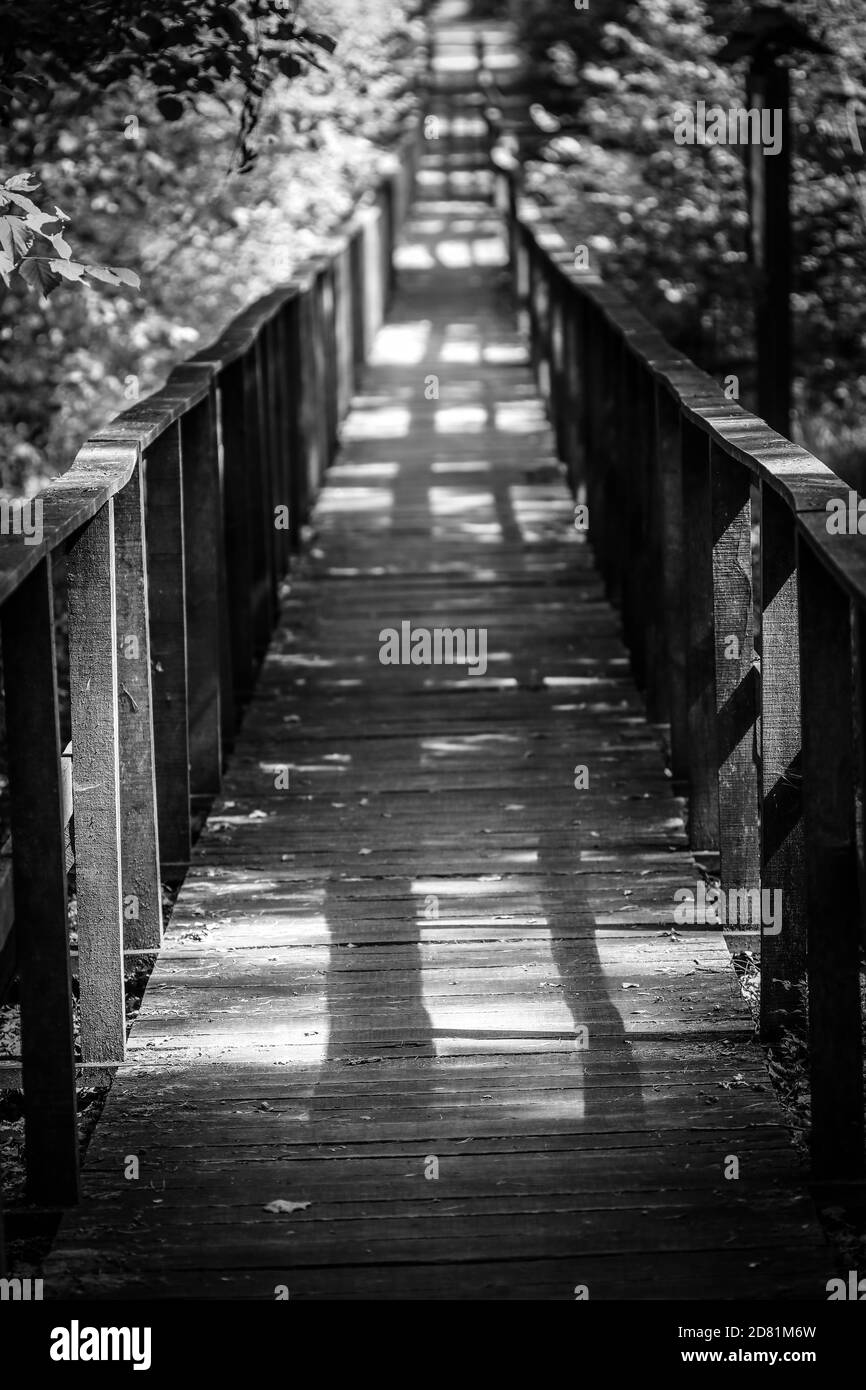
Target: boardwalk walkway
x=430, y=992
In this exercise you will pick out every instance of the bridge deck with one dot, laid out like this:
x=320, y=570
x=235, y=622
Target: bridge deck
x=384, y=971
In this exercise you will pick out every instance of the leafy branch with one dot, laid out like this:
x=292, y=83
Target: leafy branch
x=20, y=230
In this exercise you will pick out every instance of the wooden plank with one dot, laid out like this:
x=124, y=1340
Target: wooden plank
x=203, y=554
x=236, y=521
x=735, y=676
x=670, y=503
x=45, y=984
x=835, y=1042
x=91, y=606
x=142, y=886
x=783, y=954
x=701, y=651
x=166, y=567
x=260, y=524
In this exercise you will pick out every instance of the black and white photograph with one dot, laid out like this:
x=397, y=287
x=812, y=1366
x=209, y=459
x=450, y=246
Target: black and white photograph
x=432, y=674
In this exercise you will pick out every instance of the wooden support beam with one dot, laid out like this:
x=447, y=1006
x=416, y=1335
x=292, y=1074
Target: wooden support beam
x=701, y=649
x=783, y=954
x=668, y=450
x=835, y=1040
x=166, y=564
x=36, y=799
x=203, y=553
x=236, y=523
x=142, y=887
x=735, y=675
x=91, y=603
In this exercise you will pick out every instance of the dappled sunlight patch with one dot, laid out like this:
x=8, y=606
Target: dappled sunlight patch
x=460, y=419
x=362, y=471
x=384, y=422
x=505, y=354
x=447, y=502
x=341, y=498
x=413, y=256
x=460, y=352
x=519, y=417
x=401, y=344
x=460, y=466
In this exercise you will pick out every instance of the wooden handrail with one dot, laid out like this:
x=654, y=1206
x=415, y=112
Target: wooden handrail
x=169, y=529
x=768, y=726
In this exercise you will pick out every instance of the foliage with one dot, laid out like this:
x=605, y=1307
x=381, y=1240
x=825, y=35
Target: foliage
x=670, y=222
x=167, y=199
x=19, y=248
x=184, y=49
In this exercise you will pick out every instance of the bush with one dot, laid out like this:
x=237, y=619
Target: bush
x=165, y=199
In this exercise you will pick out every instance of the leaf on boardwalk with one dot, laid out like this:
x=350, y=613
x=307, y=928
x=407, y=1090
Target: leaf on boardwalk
x=280, y=1206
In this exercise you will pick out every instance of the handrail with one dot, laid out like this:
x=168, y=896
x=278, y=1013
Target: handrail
x=175, y=525
x=764, y=691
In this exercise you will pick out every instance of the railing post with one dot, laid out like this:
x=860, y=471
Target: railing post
x=835, y=1043
x=701, y=649
x=236, y=521
x=675, y=581
x=166, y=564
x=736, y=680
x=283, y=387
x=45, y=983
x=91, y=601
x=783, y=954
x=255, y=465
x=203, y=552
x=142, y=889
x=262, y=493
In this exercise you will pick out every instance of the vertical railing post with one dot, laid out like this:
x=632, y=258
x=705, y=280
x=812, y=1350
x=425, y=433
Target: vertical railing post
x=299, y=478
x=91, y=602
x=236, y=529
x=254, y=501
x=783, y=954
x=701, y=648
x=675, y=581
x=204, y=617
x=835, y=1037
x=45, y=984
x=142, y=891
x=736, y=681
x=166, y=564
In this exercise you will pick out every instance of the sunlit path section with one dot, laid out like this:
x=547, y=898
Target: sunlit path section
x=428, y=996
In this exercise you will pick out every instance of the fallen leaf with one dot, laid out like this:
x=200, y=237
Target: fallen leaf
x=280, y=1206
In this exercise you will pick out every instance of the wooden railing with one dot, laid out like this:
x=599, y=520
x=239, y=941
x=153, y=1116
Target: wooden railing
x=763, y=690
x=174, y=527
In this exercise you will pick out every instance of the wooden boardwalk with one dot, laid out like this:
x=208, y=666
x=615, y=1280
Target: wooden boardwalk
x=429, y=992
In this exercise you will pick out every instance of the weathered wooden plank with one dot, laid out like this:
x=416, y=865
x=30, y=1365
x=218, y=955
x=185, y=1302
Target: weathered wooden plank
x=835, y=1040
x=237, y=448
x=203, y=555
x=166, y=566
x=783, y=954
x=142, y=888
x=91, y=606
x=45, y=984
x=701, y=651
x=735, y=676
